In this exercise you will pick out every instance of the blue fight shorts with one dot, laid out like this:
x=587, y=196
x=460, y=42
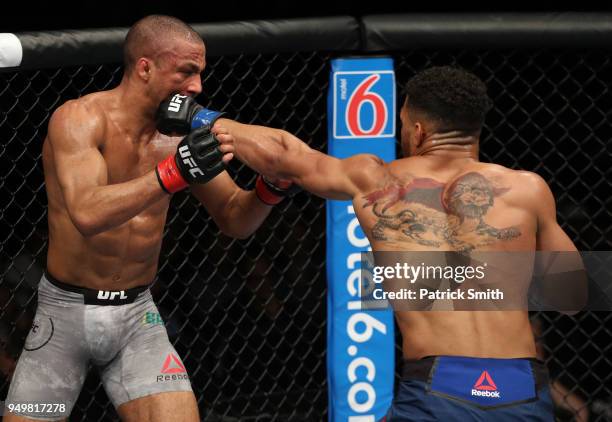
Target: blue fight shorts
x=456, y=388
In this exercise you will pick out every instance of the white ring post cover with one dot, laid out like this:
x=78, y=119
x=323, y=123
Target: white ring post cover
x=11, y=52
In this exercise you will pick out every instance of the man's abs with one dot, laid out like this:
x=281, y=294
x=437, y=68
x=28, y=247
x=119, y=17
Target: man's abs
x=97, y=264
x=492, y=334
x=119, y=258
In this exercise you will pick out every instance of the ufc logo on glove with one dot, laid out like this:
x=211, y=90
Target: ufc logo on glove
x=175, y=103
x=186, y=155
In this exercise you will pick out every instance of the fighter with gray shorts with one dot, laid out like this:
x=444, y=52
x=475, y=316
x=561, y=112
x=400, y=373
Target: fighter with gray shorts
x=118, y=332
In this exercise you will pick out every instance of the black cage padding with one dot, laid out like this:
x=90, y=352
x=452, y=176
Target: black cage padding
x=248, y=317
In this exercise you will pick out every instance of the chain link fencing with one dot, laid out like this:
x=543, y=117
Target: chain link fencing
x=248, y=316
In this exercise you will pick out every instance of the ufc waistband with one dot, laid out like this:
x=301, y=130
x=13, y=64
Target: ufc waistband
x=484, y=382
x=100, y=297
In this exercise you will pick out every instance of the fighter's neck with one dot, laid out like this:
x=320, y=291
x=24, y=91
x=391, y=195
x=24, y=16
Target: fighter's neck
x=136, y=113
x=454, y=144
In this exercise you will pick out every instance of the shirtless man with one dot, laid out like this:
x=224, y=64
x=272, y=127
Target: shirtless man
x=109, y=176
x=478, y=207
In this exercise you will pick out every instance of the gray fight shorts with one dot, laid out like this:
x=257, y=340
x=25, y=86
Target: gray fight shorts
x=120, y=333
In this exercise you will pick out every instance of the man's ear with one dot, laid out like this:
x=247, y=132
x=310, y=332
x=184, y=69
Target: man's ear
x=143, y=68
x=420, y=134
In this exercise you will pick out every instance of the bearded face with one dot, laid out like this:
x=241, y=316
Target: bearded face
x=469, y=197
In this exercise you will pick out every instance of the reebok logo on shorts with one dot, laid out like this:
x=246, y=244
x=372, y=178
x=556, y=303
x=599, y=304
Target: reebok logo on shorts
x=482, y=381
x=173, y=365
x=485, y=387
x=173, y=369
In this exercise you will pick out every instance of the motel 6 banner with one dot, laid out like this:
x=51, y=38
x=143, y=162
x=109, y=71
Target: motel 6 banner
x=360, y=353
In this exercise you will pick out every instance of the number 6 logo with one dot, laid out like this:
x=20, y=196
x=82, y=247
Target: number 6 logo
x=358, y=99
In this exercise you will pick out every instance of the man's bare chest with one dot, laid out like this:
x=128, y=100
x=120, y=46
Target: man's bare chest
x=127, y=159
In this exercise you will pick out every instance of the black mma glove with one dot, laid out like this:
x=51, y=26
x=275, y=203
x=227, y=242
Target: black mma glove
x=180, y=114
x=197, y=160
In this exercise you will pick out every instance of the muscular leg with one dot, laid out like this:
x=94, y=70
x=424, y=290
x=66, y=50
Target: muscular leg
x=161, y=407
x=53, y=364
x=147, y=381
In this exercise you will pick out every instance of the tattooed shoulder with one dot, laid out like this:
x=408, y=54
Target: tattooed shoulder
x=430, y=213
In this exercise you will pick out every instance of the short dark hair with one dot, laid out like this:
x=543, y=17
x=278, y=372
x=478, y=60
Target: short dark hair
x=147, y=35
x=453, y=98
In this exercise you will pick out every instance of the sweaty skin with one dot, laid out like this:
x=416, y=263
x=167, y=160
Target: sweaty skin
x=106, y=208
x=106, y=258
x=441, y=198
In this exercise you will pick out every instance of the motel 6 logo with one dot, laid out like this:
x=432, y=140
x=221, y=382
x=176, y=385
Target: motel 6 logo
x=364, y=104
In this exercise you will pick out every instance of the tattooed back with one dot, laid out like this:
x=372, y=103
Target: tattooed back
x=442, y=204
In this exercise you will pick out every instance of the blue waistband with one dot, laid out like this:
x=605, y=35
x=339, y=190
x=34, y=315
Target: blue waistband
x=486, y=382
